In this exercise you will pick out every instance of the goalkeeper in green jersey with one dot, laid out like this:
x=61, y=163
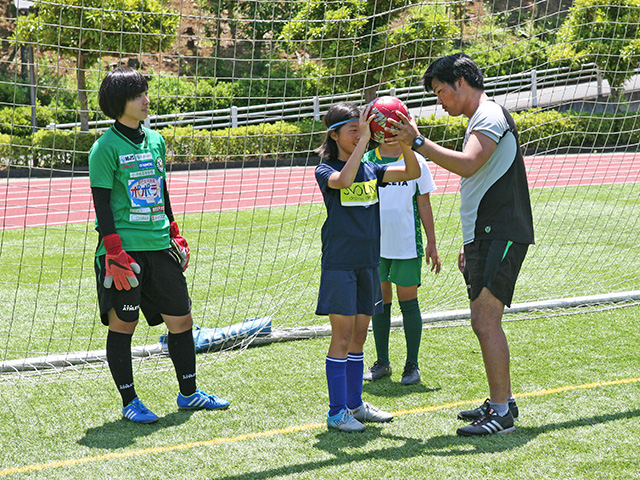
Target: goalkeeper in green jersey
x=141, y=255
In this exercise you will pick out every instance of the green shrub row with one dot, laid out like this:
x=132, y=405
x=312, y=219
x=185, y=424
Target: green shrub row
x=544, y=130
x=249, y=143
x=548, y=130
x=168, y=94
x=65, y=148
x=539, y=131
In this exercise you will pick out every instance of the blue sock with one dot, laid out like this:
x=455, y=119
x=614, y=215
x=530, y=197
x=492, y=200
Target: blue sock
x=355, y=367
x=336, y=369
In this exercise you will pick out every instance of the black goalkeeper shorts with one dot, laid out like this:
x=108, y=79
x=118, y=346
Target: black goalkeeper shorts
x=494, y=264
x=162, y=289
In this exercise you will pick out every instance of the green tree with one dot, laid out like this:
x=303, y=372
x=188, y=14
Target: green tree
x=257, y=20
x=458, y=11
x=85, y=30
x=252, y=26
x=357, y=44
x=604, y=32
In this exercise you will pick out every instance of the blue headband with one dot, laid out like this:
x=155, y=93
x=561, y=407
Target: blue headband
x=336, y=125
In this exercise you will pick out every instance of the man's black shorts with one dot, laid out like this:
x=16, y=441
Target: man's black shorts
x=162, y=289
x=494, y=264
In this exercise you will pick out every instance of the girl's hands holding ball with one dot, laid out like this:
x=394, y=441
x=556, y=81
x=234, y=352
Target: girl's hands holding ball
x=364, y=123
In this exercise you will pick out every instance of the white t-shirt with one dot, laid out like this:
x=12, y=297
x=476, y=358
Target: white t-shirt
x=400, y=224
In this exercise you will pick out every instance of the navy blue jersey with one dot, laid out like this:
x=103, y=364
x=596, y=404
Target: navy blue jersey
x=351, y=232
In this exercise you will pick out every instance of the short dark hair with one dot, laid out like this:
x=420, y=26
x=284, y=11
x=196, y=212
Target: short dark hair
x=336, y=114
x=117, y=88
x=451, y=68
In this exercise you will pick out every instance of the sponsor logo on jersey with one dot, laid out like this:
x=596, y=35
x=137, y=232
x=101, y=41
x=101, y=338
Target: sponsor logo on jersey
x=157, y=218
x=360, y=194
x=404, y=183
x=145, y=192
x=127, y=158
x=142, y=173
x=145, y=165
x=134, y=217
x=142, y=157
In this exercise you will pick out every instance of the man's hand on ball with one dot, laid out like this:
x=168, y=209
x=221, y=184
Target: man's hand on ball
x=404, y=131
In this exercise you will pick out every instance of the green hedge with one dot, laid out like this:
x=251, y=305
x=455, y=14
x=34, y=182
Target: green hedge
x=548, y=130
x=17, y=120
x=64, y=148
x=539, y=131
x=15, y=150
x=254, y=142
x=551, y=129
x=59, y=148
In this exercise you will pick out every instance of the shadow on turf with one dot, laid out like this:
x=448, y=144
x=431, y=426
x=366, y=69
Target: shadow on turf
x=123, y=433
x=385, y=387
x=407, y=447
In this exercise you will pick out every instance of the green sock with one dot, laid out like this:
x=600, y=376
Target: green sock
x=412, y=322
x=381, y=326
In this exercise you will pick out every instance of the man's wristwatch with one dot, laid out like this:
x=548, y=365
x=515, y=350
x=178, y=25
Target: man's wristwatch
x=417, y=143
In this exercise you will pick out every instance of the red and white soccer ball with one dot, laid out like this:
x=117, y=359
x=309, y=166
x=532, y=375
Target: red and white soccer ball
x=384, y=108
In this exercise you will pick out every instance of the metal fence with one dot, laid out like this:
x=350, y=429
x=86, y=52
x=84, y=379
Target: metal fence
x=315, y=107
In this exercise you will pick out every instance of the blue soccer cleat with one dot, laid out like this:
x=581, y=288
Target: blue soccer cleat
x=201, y=400
x=344, y=421
x=138, y=413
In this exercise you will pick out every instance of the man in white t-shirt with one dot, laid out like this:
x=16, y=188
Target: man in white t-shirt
x=497, y=224
x=405, y=208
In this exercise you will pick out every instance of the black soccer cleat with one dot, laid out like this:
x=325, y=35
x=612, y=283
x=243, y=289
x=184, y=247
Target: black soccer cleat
x=482, y=410
x=377, y=371
x=490, y=424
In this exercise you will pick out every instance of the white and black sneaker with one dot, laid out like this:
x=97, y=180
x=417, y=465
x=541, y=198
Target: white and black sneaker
x=488, y=425
x=482, y=410
x=368, y=413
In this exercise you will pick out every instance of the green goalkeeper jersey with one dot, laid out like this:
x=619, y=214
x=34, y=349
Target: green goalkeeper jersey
x=135, y=174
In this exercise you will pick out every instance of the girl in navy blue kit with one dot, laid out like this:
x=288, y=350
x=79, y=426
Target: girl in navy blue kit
x=350, y=290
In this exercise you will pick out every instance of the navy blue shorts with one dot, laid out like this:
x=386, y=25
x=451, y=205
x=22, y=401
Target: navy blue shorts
x=350, y=292
x=162, y=290
x=494, y=264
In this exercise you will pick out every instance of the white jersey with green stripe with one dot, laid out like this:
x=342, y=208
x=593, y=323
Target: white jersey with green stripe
x=135, y=174
x=400, y=224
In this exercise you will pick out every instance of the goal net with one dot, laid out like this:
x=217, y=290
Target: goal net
x=238, y=90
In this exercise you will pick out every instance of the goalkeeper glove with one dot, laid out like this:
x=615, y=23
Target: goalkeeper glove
x=179, y=246
x=121, y=268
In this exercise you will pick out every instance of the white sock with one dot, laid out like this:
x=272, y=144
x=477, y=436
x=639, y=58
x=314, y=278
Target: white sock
x=500, y=408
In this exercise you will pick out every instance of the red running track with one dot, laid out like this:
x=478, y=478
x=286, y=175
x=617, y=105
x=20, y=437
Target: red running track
x=36, y=202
